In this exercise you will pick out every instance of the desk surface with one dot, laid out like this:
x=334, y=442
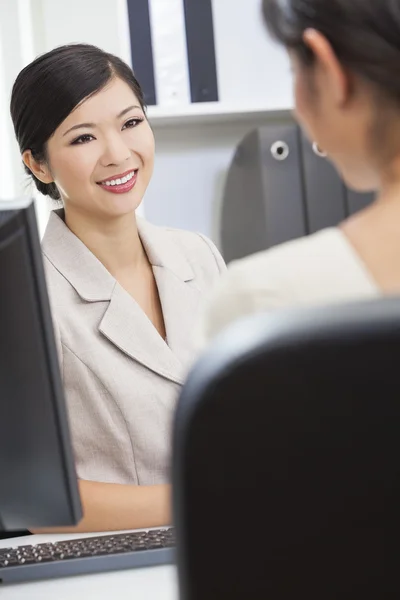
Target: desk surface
x=155, y=583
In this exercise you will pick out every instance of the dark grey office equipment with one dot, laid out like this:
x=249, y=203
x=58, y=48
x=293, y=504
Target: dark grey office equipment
x=263, y=199
x=278, y=189
x=286, y=459
x=325, y=193
x=37, y=473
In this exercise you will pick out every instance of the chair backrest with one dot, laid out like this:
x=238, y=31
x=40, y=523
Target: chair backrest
x=286, y=463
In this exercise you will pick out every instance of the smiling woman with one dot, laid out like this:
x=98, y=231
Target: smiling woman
x=124, y=294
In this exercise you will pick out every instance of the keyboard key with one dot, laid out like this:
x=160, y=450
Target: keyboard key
x=10, y=562
x=30, y=560
x=45, y=558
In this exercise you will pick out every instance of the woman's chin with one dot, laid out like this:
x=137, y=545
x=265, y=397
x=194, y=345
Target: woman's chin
x=119, y=205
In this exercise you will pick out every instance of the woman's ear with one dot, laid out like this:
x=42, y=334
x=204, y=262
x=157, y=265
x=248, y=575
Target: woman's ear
x=39, y=169
x=335, y=76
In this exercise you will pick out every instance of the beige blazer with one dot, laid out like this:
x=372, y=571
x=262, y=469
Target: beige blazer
x=121, y=378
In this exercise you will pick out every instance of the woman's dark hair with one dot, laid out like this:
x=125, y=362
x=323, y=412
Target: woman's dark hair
x=365, y=34
x=48, y=89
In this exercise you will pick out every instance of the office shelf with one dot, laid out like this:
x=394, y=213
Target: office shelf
x=210, y=112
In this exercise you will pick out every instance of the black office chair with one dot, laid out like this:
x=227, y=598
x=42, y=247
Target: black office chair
x=287, y=459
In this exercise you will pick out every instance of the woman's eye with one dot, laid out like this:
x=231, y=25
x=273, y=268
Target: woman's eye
x=132, y=123
x=83, y=139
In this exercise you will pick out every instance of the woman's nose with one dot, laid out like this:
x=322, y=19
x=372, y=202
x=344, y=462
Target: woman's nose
x=115, y=152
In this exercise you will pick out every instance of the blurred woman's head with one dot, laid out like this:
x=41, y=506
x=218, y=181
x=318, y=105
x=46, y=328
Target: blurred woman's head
x=79, y=118
x=346, y=61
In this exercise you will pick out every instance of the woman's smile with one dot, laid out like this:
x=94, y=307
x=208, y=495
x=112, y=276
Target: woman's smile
x=120, y=184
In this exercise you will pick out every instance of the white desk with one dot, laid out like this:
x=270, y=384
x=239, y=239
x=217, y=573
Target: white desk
x=155, y=583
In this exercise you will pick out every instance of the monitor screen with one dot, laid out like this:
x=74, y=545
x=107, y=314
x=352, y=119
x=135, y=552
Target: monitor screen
x=37, y=472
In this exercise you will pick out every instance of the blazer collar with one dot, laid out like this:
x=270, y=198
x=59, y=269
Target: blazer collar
x=88, y=275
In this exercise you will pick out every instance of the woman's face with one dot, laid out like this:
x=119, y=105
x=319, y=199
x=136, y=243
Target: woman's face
x=336, y=112
x=101, y=157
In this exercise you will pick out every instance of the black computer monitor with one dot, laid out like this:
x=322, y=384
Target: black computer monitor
x=38, y=485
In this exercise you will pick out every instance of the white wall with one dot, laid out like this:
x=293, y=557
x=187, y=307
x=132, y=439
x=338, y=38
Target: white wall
x=7, y=187
x=192, y=159
x=103, y=23
x=12, y=61
x=190, y=171
x=252, y=69
x=17, y=48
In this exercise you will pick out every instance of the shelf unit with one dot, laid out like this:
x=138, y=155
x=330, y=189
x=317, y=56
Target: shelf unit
x=210, y=112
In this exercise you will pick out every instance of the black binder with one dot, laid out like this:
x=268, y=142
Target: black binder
x=325, y=192
x=263, y=201
x=201, y=50
x=280, y=155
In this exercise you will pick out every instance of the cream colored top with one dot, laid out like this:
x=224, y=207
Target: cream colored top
x=319, y=269
x=121, y=378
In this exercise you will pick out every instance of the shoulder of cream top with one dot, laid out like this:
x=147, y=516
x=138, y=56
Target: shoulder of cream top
x=317, y=269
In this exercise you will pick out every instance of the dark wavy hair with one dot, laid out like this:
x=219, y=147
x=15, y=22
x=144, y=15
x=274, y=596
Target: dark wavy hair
x=365, y=34
x=48, y=89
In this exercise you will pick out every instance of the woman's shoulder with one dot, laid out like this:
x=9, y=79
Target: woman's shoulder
x=326, y=254
x=320, y=265
x=60, y=291
x=306, y=252
x=194, y=247
x=320, y=268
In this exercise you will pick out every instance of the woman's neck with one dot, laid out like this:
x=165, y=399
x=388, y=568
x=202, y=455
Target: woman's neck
x=375, y=234
x=115, y=242
x=384, y=212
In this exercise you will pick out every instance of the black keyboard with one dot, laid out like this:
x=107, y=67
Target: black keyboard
x=87, y=555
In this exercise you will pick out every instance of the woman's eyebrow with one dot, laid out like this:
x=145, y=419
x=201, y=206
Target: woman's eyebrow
x=93, y=125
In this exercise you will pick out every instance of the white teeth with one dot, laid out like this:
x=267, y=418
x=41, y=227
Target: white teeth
x=119, y=181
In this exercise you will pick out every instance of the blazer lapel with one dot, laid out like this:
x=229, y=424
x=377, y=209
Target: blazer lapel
x=127, y=327
x=87, y=275
x=177, y=289
x=124, y=323
x=180, y=301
